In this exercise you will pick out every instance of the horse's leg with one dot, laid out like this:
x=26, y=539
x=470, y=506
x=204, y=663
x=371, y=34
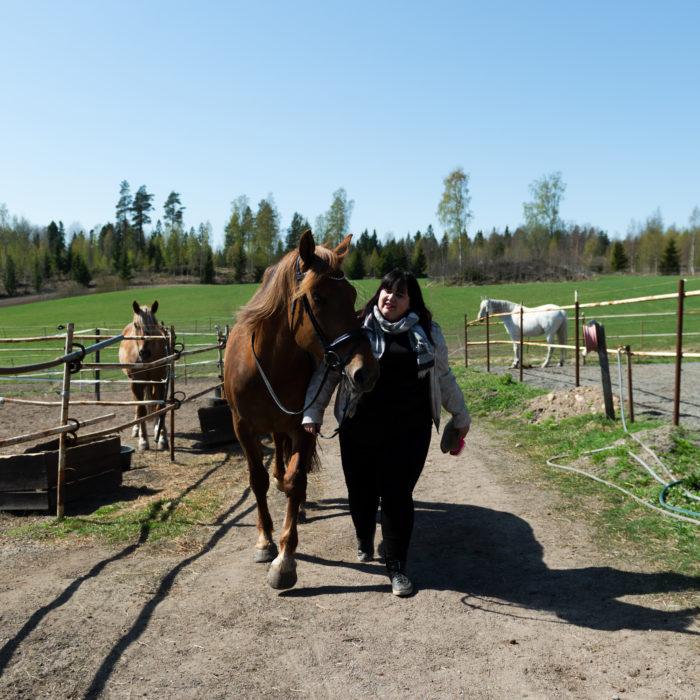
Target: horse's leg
x=161, y=434
x=550, y=340
x=265, y=549
x=135, y=429
x=283, y=570
x=141, y=413
x=562, y=335
x=516, y=355
x=278, y=468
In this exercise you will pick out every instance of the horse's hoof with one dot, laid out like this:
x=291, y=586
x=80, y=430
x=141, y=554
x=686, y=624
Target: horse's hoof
x=135, y=431
x=282, y=580
x=162, y=445
x=262, y=556
x=143, y=446
x=301, y=517
x=279, y=484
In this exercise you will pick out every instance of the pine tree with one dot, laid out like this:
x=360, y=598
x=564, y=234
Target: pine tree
x=173, y=211
x=238, y=261
x=208, y=272
x=123, y=209
x=37, y=275
x=140, y=208
x=80, y=271
x=355, y=266
x=618, y=258
x=419, y=264
x=10, y=277
x=296, y=228
x=670, y=260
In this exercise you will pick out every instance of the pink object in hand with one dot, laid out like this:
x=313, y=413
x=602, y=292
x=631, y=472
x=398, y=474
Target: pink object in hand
x=459, y=448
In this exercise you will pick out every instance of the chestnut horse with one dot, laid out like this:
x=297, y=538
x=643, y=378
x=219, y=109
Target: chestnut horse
x=302, y=313
x=144, y=323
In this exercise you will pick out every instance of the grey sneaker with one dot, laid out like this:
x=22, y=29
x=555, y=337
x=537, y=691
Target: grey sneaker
x=365, y=550
x=400, y=584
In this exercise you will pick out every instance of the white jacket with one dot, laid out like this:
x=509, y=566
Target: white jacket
x=444, y=390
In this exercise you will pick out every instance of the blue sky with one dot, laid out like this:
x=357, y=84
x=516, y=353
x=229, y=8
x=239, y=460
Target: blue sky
x=214, y=100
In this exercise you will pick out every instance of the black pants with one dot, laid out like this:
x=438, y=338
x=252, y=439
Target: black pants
x=381, y=468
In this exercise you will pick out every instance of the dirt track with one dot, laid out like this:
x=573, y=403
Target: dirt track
x=512, y=601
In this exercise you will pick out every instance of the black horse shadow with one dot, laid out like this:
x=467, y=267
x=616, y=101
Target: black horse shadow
x=494, y=560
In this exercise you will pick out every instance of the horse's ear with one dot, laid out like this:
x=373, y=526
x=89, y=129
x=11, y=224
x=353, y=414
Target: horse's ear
x=343, y=247
x=136, y=307
x=154, y=306
x=307, y=245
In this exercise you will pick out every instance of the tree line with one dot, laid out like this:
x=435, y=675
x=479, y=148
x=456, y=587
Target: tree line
x=543, y=246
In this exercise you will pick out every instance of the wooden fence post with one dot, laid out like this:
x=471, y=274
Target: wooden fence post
x=65, y=404
x=679, y=353
x=520, y=364
x=578, y=340
x=219, y=337
x=488, y=347
x=172, y=395
x=97, y=371
x=630, y=398
x=466, y=345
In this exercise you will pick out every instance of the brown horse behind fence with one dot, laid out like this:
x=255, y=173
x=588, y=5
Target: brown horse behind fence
x=146, y=384
x=303, y=311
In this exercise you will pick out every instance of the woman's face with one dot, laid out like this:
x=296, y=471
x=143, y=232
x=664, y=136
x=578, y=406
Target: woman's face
x=393, y=304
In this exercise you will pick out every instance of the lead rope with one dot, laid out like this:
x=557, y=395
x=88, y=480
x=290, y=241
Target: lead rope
x=271, y=391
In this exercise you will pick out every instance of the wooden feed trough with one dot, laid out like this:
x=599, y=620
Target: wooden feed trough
x=216, y=422
x=28, y=481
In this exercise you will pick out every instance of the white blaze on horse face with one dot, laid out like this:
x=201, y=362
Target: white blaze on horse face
x=393, y=304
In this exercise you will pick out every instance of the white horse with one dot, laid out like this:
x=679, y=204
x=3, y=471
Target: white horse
x=548, y=320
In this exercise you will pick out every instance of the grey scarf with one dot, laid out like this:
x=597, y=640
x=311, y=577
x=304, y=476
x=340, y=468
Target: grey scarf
x=375, y=326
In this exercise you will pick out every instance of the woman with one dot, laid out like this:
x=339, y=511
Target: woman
x=385, y=433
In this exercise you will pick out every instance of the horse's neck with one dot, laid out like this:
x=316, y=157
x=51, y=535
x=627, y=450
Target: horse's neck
x=277, y=339
x=499, y=306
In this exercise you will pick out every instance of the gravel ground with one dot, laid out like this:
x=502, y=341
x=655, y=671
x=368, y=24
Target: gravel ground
x=653, y=386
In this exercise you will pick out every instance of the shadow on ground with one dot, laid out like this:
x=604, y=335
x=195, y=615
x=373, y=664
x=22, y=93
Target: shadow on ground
x=494, y=560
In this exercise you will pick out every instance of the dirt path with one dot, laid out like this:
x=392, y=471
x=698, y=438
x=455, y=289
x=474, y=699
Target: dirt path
x=512, y=601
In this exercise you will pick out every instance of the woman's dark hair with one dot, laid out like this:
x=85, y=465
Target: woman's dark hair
x=403, y=281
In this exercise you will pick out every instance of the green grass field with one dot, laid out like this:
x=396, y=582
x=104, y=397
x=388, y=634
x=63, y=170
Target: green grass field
x=199, y=308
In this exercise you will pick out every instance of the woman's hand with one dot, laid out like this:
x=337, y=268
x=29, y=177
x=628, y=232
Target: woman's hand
x=311, y=428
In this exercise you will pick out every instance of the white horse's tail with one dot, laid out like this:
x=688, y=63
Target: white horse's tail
x=563, y=330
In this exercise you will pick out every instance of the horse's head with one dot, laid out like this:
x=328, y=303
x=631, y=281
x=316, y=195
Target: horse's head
x=322, y=315
x=485, y=308
x=145, y=323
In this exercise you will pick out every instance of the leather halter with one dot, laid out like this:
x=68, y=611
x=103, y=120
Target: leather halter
x=331, y=358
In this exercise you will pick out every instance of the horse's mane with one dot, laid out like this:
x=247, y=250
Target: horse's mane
x=279, y=286
x=500, y=305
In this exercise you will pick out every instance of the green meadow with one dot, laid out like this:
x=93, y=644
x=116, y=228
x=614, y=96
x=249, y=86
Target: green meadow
x=199, y=308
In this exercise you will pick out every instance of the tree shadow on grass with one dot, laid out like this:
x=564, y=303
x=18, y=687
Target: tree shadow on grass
x=494, y=560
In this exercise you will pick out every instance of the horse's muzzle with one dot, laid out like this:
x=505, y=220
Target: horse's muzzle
x=363, y=379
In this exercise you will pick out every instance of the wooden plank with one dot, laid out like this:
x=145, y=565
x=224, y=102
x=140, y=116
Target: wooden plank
x=101, y=484
x=26, y=472
x=37, y=469
x=24, y=500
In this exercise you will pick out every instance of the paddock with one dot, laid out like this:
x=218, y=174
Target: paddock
x=483, y=341
x=66, y=378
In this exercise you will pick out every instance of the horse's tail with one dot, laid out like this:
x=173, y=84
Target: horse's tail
x=563, y=330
